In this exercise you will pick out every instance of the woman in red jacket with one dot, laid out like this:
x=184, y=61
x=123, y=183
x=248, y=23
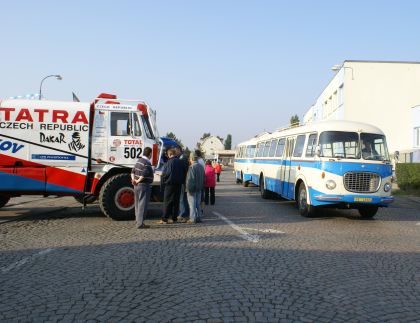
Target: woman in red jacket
x=209, y=184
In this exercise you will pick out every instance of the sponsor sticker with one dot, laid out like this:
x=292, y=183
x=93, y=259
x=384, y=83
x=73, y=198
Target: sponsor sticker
x=53, y=157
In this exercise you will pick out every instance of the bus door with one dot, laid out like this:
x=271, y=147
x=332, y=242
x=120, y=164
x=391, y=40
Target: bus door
x=286, y=168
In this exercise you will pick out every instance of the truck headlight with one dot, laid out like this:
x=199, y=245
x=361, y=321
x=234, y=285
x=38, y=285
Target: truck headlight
x=330, y=184
x=387, y=187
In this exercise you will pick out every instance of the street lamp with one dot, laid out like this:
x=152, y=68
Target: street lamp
x=337, y=67
x=58, y=77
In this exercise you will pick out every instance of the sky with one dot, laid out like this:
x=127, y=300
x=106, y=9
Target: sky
x=223, y=66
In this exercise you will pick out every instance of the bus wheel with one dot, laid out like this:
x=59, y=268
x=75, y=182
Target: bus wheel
x=305, y=209
x=367, y=211
x=244, y=182
x=116, y=198
x=264, y=193
x=89, y=199
x=4, y=200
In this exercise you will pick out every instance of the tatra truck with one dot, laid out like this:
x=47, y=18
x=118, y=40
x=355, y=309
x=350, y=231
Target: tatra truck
x=85, y=150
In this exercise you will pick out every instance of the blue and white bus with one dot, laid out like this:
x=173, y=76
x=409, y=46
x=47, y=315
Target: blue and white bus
x=339, y=164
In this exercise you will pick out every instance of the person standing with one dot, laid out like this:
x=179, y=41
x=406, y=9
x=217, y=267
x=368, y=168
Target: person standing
x=142, y=178
x=209, y=183
x=184, y=209
x=218, y=170
x=194, y=186
x=173, y=175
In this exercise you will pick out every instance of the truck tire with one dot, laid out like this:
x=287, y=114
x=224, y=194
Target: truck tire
x=116, y=198
x=4, y=200
x=89, y=199
x=305, y=209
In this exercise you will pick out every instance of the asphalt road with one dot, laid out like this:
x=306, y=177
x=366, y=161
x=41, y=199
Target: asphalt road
x=251, y=260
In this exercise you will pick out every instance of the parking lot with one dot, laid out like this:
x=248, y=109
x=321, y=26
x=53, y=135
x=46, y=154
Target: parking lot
x=250, y=260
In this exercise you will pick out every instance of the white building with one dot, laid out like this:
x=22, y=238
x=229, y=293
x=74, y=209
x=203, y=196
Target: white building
x=210, y=145
x=385, y=94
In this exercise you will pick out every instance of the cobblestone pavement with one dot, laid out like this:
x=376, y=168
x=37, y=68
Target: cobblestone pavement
x=252, y=260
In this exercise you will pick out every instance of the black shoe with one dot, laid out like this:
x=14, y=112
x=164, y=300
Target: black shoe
x=143, y=226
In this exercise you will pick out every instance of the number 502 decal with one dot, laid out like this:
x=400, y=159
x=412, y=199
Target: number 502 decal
x=132, y=152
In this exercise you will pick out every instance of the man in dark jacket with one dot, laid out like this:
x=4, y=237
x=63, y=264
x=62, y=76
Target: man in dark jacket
x=173, y=176
x=142, y=178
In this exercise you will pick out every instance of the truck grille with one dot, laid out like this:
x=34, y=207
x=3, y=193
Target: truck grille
x=361, y=182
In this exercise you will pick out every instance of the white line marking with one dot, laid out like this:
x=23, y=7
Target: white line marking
x=244, y=235
x=265, y=230
x=23, y=261
x=418, y=223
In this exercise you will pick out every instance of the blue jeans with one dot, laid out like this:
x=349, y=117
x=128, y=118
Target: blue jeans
x=194, y=200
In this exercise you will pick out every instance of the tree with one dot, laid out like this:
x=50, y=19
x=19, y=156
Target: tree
x=228, y=142
x=173, y=136
x=205, y=135
x=294, y=120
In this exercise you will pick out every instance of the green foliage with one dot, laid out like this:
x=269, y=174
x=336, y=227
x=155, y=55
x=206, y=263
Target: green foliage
x=408, y=175
x=228, y=142
x=294, y=120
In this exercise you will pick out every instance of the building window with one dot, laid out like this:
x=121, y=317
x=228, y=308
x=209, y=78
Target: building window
x=340, y=95
x=417, y=137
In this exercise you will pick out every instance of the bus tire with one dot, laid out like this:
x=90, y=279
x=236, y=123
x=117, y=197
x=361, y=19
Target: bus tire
x=244, y=182
x=305, y=209
x=89, y=199
x=116, y=198
x=367, y=211
x=4, y=200
x=264, y=193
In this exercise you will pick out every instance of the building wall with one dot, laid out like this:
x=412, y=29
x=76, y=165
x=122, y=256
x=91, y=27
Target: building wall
x=416, y=126
x=210, y=145
x=383, y=94
x=379, y=93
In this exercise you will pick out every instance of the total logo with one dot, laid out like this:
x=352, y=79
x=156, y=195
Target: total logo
x=6, y=145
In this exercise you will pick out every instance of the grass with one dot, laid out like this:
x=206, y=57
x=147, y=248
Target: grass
x=407, y=192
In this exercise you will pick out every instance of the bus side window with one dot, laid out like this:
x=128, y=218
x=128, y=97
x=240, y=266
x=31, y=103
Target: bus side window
x=273, y=147
x=280, y=147
x=266, y=148
x=300, y=142
x=310, y=150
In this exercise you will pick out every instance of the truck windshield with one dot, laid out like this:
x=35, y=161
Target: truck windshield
x=339, y=144
x=373, y=147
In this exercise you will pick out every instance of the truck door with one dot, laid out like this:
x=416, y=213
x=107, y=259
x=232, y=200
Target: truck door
x=125, y=144
x=286, y=167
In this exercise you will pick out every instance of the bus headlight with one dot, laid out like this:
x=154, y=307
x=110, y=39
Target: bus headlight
x=330, y=184
x=387, y=187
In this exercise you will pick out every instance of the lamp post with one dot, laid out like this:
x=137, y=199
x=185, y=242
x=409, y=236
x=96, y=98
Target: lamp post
x=58, y=77
x=337, y=67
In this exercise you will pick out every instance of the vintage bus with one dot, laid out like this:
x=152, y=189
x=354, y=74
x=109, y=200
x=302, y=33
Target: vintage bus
x=340, y=164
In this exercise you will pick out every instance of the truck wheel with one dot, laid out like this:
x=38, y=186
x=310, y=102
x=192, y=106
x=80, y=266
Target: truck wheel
x=4, y=200
x=116, y=198
x=305, y=209
x=264, y=193
x=89, y=199
x=368, y=211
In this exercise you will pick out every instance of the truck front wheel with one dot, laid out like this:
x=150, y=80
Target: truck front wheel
x=116, y=198
x=4, y=200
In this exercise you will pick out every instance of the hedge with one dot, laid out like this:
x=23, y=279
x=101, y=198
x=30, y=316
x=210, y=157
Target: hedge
x=408, y=175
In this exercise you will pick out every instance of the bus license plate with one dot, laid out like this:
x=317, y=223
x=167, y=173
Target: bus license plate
x=363, y=199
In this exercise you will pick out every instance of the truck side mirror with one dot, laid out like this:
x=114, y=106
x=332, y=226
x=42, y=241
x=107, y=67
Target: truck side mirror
x=396, y=156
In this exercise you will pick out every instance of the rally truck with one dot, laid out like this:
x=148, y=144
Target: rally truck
x=85, y=150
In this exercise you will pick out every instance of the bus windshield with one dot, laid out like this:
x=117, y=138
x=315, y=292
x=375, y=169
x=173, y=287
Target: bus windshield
x=373, y=147
x=339, y=144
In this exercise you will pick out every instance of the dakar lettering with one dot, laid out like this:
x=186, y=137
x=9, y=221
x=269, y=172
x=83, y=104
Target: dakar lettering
x=53, y=139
